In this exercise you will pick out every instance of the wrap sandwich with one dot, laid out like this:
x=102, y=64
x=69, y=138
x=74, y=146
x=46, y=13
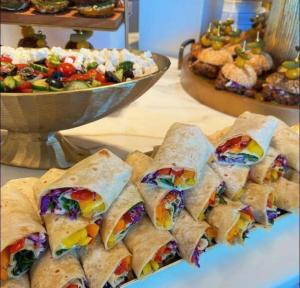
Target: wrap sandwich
x=262, y=202
x=87, y=189
x=205, y=195
x=232, y=222
x=192, y=237
x=65, y=272
x=270, y=169
x=286, y=194
x=151, y=248
x=180, y=159
x=22, y=282
x=162, y=206
x=125, y=212
x=23, y=237
x=292, y=175
x=106, y=268
x=247, y=141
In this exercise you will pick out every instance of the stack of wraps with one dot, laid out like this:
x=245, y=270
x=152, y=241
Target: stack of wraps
x=23, y=237
x=65, y=272
x=106, y=268
x=151, y=248
x=73, y=203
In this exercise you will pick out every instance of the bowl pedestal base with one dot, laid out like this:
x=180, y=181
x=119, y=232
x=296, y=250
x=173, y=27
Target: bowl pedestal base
x=40, y=151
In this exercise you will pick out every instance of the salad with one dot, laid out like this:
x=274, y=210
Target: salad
x=43, y=70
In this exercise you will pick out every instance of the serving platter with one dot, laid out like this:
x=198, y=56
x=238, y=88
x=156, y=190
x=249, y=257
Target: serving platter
x=203, y=90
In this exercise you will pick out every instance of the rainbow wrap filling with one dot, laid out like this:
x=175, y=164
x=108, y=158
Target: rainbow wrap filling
x=206, y=240
x=278, y=169
x=241, y=150
x=238, y=233
x=17, y=259
x=164, y=256
x=272, y=212
x=80, y=238
x=121, y=275
x=168, y=209
x=170, y=178
x=217, y=197
x=72, y=202
x=130, y=218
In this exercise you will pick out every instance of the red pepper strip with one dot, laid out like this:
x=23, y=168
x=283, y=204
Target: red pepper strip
x=83, y=195
x=21, y=66
x=73, y=286
x=17, y=246
x=5, y=59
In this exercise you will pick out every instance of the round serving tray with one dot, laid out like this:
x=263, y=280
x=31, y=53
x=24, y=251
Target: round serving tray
x=203, y=90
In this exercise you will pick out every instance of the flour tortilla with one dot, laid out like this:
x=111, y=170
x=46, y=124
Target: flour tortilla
x=128, y=198
x=185, y=146
x=259, y=127
x=188, y=233
x=224, y=217
x=286, y=194
x=18, y=217
x=235, y=177
x=143, y=241
x=99, y=264
x=56, y=273
x=259, y=171
x=103, y=173
x=22, y=282
x=292, y=175
x=256, y=196
x=197, y=198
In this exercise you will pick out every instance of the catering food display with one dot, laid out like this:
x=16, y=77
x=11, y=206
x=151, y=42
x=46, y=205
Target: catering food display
x=93, y=214
x=57, y=69
x=79, y=40
x=95, y=8
x=14, y=5
x=31, y=39
x=50, y=6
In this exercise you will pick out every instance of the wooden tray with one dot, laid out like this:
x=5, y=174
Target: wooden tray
x=233, y=104
x=70, y=18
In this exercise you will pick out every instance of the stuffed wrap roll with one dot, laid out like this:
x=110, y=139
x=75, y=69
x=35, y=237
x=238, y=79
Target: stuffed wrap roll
x=162, y=206
x=272, y=167
x=125, y=212
x=151, y=248
x=23, y=237
x=247, y=141
x=262, y=202
x=192, y=237
x=180, y=159
x=65, y=272
x=22, y=282
x=106, y=268
x=205, y=195
x=88, y=188
x=232, y=221
x=286, y=194
x=292, y=175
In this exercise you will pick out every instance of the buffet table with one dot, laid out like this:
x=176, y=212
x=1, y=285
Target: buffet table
x=270, y=258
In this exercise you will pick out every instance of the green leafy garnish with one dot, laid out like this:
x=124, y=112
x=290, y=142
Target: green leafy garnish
x=61, y=251
x=24, y=260
x=126, y=65
x=241, y=53
x=69, y=204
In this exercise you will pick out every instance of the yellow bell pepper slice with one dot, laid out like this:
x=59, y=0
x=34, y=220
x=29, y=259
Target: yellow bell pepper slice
x=74, y=238
x=254, y=148
x=154, y=265
x=147, y=269
x=88, y=208
x=85, y=241
x=111, y=241
x=238, y=195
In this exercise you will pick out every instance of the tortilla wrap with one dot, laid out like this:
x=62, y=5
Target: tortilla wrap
x=99, y=264
x=235, y=177
x=188, y=233
x=22, y=282
x=286, y=194
x=259, y=171
x=128, y=198
x=143, y=241
x=197, y=198
x=258, y=127
x=56, y=273
x=103, y=173
x=224, y=218
x=256, y=196
x=292, y=175
x=184, y=147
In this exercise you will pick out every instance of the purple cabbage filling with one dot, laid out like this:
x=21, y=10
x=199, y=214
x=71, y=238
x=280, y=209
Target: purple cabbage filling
x=233, y=84
x=272, y=215
x=39, y=239
x=137, y=212
x=150, y=178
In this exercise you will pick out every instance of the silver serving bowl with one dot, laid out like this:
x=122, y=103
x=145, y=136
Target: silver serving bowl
x=32, y=120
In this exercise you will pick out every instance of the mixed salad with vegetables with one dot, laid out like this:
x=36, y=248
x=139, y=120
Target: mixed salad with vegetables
x=239, y=150
x=130, y=218
x=164, y=256
x=171, y=178
x=56, y=69
x=72, y=202
x=17, y=258
x=278, y=169
x=169, y=208
x=215, y=198
x=122, y=274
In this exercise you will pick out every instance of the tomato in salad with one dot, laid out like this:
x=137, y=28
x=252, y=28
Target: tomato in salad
x=66, y=69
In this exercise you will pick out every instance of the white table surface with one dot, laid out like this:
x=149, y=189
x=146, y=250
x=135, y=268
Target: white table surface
x=270, y=258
